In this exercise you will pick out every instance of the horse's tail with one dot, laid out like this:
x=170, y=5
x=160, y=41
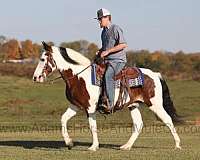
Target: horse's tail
x=168, y=103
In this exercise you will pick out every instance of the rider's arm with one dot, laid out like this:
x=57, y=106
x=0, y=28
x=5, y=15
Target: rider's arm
x=120, y=40
x=118, y=47
x=114, y=49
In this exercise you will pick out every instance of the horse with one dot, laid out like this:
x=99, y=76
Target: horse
x=75, y=69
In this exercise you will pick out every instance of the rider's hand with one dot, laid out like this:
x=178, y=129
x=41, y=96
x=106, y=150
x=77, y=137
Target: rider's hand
x=97, y=53
x=104, y=53
x=98, y=59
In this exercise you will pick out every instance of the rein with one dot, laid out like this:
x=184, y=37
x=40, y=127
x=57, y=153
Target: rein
x=52, y=80
x=98, y=58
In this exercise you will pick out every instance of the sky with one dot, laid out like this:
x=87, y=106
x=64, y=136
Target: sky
x=169, y=25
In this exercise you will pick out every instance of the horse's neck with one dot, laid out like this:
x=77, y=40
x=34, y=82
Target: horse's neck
x=86, y=74
x=64, y=65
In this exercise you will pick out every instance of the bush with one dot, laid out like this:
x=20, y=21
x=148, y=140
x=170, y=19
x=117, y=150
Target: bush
x=21, y=70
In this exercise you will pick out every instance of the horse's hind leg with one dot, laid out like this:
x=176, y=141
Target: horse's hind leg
x=162, y=114
x=137, y=126
x=93, y=129
x=70, y=112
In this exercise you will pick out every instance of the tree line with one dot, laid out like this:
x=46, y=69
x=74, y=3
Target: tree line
x=178, y=65
x=14, y=49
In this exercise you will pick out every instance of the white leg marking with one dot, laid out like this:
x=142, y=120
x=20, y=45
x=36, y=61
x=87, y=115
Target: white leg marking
x=71, y=111
x=162, y=114
x=93, y=129
x=157, y=107
x=137, y=126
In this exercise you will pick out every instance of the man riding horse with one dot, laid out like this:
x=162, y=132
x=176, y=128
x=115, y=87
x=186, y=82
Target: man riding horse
x=112, y=51
x=141, y=84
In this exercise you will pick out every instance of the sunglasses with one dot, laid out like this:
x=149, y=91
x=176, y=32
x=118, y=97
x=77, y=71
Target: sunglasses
x=99, y=19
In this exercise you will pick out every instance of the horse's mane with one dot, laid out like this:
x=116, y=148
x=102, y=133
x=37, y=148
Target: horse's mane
x=73, y=56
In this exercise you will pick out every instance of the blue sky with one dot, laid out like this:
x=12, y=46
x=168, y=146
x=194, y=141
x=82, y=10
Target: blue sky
x=171, y=25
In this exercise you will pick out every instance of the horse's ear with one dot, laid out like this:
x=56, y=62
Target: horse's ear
x=47, y=47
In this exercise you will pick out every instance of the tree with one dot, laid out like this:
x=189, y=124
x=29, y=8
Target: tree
x=140, y=58
x=27, y=48
x=73, y=45
x=92, y=49
x=82, y=46
x=37, y=49
x=160, y=61
x=51, y=43
x=2, y=40
x=180, y=62
x=11, y=49
x=132, y=58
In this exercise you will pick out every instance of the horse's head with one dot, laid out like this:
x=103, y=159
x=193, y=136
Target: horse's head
x=46, y=64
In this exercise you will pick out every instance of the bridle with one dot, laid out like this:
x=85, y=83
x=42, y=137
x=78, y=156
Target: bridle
x=47, y=69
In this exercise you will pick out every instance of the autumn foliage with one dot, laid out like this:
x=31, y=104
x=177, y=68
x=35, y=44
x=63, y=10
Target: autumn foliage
x=13, y=49
x=177, y=65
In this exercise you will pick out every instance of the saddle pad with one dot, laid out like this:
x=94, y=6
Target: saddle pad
x=136, y=82
x=96, y=78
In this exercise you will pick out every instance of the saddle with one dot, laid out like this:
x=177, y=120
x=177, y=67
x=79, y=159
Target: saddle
x=128, y=73
x=131, y=78
x=127, y=78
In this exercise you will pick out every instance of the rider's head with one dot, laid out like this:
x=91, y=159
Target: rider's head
x=104, y=17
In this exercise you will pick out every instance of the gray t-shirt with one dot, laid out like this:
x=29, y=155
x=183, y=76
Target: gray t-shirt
x=110, y=37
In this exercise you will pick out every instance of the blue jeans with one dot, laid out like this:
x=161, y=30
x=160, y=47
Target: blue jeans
x=112, y=69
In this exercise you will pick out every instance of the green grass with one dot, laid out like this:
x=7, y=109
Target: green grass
x=30, y=125
x=49, y=145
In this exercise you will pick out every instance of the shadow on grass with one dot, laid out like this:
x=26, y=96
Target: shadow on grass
x=55, y=144
x=48, y=144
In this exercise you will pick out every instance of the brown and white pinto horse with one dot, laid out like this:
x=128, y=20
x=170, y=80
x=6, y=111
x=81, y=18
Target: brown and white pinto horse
x=83, y=95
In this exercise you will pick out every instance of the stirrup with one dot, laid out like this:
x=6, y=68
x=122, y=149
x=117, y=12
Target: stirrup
x=103, y=109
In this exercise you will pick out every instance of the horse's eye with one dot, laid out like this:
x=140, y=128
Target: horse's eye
x=42, y=59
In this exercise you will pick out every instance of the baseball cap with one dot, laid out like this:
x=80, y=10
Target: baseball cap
x=102, y=13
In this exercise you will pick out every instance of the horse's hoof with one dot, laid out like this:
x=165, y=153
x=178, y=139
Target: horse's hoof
x=69, y=144
x=125, y=148
x=93, y=148
x=178, y=147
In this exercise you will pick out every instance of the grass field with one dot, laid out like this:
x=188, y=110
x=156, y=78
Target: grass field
x=30, y=125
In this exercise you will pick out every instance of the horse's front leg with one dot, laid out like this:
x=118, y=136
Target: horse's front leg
x=93, y=129
x=70, y=112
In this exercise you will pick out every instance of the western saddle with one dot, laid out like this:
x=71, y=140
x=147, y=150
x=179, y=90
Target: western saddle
x=125, y=76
